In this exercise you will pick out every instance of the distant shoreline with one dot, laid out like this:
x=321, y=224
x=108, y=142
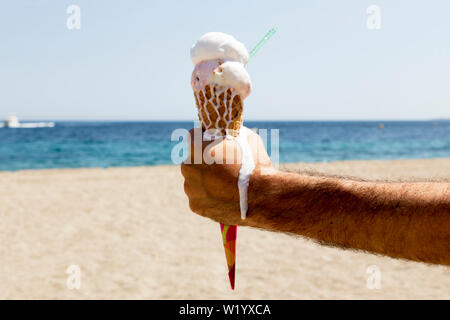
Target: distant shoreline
x=285, y=165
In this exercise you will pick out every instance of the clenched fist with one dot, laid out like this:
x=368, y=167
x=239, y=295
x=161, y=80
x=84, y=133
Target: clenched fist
x=211, y=174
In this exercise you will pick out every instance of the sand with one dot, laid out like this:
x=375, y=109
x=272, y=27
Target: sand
x=133, y=236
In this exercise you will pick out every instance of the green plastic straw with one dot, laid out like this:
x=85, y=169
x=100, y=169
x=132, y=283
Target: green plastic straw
x=262, y=42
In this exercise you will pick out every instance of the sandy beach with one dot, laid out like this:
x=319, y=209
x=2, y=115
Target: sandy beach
x=133, y=236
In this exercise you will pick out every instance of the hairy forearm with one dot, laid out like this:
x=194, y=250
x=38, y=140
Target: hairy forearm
x=404, y=220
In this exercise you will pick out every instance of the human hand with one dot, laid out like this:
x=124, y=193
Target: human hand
x=211, y=174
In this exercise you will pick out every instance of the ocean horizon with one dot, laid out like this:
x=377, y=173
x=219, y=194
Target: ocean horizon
x=80, y=144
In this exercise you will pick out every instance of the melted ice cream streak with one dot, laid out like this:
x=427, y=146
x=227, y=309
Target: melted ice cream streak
x=247, y=163
x=247, y=167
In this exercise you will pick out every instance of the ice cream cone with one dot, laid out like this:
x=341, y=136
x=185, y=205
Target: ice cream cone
x=221, y=83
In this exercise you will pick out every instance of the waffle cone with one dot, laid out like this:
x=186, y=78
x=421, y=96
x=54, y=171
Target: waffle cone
x=219, y=109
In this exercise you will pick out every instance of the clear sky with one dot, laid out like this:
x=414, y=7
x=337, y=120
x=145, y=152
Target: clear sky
x=130, y=59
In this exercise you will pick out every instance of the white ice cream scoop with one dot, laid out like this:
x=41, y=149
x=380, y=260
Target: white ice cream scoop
x=218, y=46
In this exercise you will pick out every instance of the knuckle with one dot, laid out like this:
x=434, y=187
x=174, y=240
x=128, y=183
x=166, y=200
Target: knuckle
x=183, y=169
x=194, y=206
x=191, y=134
x=186, y=186
x=187, y=169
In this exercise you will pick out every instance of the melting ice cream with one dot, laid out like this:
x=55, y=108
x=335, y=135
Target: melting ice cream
x=221, y=83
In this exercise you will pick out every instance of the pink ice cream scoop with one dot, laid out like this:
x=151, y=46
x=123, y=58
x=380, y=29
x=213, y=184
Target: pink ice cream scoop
x=228, y=74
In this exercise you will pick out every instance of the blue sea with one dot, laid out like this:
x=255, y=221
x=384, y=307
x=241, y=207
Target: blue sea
x=113, y=144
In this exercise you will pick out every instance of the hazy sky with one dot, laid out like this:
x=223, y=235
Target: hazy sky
x=130, y=59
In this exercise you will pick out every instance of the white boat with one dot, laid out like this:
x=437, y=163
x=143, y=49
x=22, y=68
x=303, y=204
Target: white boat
x=13, y=122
